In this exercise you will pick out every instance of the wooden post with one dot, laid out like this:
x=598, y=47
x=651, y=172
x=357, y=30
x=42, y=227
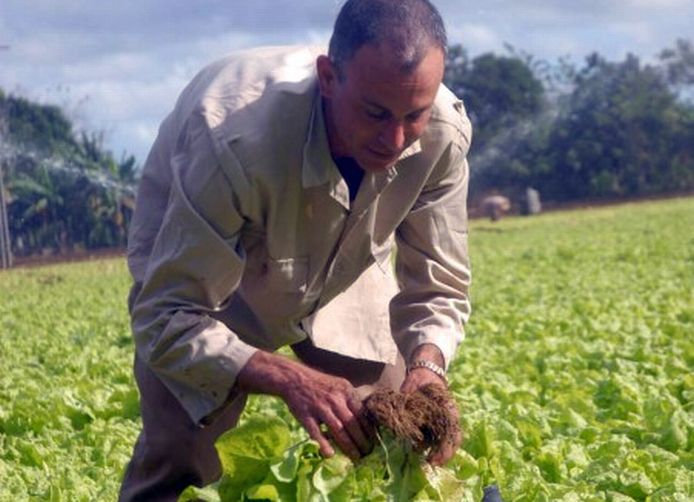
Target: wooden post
x=5, y=242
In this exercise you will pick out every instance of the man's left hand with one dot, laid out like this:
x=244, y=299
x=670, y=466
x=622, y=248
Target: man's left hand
x=419, y=377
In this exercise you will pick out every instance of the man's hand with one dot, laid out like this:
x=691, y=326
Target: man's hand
x=419, y=377
x=314, y=398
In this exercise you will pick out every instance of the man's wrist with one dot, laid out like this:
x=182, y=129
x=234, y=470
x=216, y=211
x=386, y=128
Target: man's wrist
x=429, y=357
x=428, y=352
x=429, y=365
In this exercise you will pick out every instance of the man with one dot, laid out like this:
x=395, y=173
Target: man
x=266, y=216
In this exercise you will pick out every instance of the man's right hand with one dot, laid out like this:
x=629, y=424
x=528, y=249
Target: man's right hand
x=315, y=398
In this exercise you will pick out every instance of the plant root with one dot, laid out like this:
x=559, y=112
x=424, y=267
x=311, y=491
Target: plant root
x=423, y=418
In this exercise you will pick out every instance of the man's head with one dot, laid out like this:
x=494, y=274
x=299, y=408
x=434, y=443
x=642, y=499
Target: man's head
x=409, y=27
x=380, y=78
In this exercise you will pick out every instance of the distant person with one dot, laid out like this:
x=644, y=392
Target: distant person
x=266, y=215
x=495, y=206
x=532, y=203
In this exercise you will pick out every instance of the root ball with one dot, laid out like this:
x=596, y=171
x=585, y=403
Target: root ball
x=423, y=417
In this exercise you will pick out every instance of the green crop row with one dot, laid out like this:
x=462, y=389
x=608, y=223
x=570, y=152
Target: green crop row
x=68, y=406
x=575, y=382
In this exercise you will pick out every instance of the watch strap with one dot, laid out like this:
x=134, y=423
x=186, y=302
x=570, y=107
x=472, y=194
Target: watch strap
x=431, y=366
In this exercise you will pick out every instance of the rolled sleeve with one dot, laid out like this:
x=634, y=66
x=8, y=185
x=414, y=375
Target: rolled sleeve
x=432, y=264
x=195, y=265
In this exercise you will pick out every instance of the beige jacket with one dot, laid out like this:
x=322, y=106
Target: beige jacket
x=244, y=236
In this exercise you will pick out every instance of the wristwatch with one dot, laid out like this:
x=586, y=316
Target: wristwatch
x=424, y=363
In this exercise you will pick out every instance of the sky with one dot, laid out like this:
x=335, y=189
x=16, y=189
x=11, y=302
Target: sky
x=116, y=67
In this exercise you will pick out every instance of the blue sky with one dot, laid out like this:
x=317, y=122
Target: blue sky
x=118, y=66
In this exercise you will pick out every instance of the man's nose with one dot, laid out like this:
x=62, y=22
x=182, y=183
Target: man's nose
x=393, y=136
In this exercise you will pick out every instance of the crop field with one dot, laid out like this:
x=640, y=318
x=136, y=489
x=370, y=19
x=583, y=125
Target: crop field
x=575, y=382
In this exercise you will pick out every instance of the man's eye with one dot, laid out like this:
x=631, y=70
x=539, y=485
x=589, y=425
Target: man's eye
x=414, y=117
x=377, y=114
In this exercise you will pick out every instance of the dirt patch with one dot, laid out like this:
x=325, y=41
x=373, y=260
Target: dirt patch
x=422, y=418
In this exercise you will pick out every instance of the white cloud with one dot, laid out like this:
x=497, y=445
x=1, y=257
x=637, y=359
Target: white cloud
x=109, y=66
x=657, y=4
x=118, y=100
x=475, y=37
x=138, y=135
x=118, y=66
x=639, y=33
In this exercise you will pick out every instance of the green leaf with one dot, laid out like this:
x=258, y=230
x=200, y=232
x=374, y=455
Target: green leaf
x=246, y=452
x=304, y=488
x=481, y=442
x=442, y=484
x=550, y=465
x=331, y=473
x=674, y=436
x=463, y=464
x=195, y=494
x=286, y=470
x=263, y=492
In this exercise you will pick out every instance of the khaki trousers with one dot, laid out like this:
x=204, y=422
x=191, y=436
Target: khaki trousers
x=172, y=452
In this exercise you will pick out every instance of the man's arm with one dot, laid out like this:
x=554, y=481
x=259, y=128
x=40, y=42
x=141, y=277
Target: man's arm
x=195, y=265
x=433, y=272
x=432, y=264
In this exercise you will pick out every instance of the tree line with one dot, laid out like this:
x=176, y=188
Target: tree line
x=64, y=191
x=601, y=129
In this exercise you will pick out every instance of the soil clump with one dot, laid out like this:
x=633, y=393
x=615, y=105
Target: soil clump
x=423, y=418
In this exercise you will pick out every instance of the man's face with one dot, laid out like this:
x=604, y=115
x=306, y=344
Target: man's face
x=375, y=111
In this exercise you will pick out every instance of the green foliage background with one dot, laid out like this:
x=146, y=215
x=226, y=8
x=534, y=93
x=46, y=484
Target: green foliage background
x=575, y=381
x=65, y=192
x=595, y=130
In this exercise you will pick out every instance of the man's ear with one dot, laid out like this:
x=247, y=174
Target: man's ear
x=327, y=75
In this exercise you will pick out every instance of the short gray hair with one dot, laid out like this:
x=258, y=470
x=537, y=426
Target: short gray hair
x=410, y=27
